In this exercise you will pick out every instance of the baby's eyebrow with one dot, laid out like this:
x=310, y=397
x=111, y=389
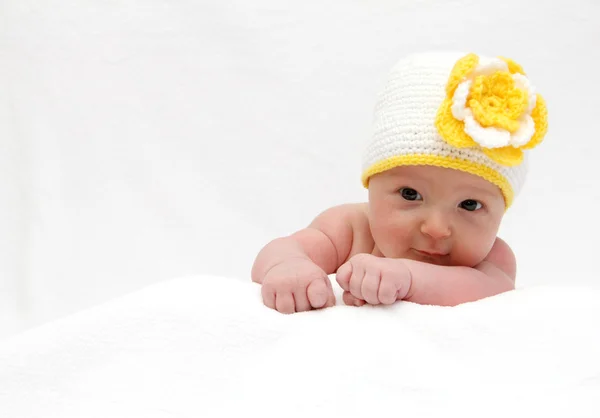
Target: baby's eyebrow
x=478, y=190
x=408, y=181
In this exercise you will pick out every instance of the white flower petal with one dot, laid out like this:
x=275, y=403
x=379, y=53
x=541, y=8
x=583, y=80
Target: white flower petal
x=523, y=83
x=489, y=66
x=459, y=100
x=524, y=133
x=486, y=137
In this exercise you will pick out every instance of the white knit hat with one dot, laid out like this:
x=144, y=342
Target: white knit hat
x=460, y=111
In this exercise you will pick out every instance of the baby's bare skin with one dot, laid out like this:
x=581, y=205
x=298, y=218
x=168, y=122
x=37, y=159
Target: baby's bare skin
x=427, y=235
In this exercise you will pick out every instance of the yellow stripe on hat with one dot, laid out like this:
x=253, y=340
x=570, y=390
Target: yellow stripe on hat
x=470, y=167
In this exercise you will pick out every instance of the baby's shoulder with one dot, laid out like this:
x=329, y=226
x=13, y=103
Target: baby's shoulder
x=356, y=211
x=349, y=223
x=351, y=214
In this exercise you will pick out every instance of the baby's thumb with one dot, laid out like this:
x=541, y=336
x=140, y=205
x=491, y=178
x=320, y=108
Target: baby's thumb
x=318, y=293
x=331, y=295
x=343, y=274
x=350, y=300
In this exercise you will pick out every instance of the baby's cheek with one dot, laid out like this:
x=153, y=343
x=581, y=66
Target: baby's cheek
x=477, y=251
x=391, y=240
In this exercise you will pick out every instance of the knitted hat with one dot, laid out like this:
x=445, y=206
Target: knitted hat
x=460, y=111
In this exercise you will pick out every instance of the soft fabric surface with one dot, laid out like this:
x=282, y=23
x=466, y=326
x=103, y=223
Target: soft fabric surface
x=206, y=346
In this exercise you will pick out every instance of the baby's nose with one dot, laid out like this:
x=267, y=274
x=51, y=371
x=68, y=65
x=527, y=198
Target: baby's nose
x=436, y=225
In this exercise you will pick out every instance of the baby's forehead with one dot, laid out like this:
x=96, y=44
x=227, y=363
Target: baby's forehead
x=447, y=178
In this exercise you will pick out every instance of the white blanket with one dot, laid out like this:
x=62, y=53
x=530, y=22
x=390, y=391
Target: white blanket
x=206, y=347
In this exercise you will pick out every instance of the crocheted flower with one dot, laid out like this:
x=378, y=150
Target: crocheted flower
x=491, y=104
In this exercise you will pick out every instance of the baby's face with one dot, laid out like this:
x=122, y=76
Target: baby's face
x=433, y=214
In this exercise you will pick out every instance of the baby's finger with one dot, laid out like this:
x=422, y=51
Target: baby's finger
x=317, y=293
x=358, y=274
x=331, y=295
x=351, y=300
x=330, y=300
x=284, y=302
x=268, y=296
x=301, y=300
x=388, y=289
x=370, y=287
x=343, y=275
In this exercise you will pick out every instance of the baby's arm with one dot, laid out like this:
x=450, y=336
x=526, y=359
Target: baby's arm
x=325, y=242
x=369, y=279
x=449, y=286
x=293, y=270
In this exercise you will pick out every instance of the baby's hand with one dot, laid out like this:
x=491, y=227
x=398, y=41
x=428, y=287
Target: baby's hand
x=297, y=285
x=374, y=280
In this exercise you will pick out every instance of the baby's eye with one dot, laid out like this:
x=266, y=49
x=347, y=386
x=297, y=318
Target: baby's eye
x=410, y=194
x=470, y=205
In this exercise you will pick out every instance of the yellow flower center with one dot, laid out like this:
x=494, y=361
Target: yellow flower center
x=496, y=101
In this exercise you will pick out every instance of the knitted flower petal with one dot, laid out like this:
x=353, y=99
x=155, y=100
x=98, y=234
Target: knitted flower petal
x=513, y=67
x=488, y=66
x=462, y=69
x=459, y=100
x=523, y=83
x=487, y=137
x=540, y=118
x=509, y=156
x=452, y=130
x=524, y=133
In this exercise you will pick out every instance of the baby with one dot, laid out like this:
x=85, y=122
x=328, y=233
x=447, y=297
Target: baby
x=446, y=159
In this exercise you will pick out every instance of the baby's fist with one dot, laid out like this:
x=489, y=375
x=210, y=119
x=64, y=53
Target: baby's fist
x=297, y=285
x=366, y=278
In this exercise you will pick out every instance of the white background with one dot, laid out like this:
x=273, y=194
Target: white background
x=146, y=140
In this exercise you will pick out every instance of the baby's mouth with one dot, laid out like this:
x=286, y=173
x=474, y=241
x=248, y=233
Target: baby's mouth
x=430, y=253
x=432, y=257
